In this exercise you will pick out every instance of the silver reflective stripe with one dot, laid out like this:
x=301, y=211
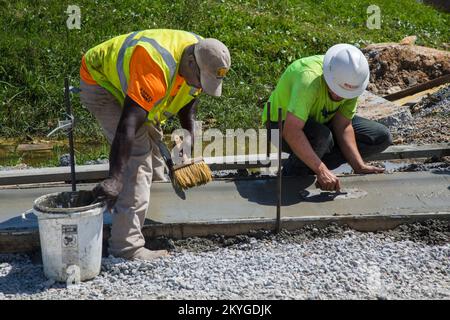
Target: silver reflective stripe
x=119, y=63
x=198, y=38
x=130, y=42
x=193, y=91
x=168, y=114
x=168, y=58
x=158, y=102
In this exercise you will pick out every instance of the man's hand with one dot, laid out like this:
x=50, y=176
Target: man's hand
x=326, y=180
x=368, y=169
x=108, y=190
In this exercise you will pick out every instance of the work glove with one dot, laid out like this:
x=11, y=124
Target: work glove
x=108, y=190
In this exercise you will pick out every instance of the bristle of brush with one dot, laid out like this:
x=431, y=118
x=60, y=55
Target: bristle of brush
x=193, y=175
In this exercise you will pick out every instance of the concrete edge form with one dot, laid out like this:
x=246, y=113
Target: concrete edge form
x=100, y=171
x=27, y=240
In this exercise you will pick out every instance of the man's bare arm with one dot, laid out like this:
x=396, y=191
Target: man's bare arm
x=187, y=116
x=187, y=120
x=345, y=136
x=132, y=118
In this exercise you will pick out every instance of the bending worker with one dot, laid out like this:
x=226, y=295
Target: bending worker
x=318, y=95
x=130, y=84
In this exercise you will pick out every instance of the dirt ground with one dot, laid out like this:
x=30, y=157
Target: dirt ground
x=395, y=67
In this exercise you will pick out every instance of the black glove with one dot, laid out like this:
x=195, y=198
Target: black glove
x=108, y=190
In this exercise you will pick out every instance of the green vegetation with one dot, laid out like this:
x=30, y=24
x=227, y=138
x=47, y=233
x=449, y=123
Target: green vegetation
x=37, y=51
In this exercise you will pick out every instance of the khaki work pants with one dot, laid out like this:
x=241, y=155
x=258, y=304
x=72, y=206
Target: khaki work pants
x=145, y=162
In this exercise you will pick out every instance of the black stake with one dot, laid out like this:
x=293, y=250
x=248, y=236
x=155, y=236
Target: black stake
x=70, y=133
x=269, y=136
x=280, y=142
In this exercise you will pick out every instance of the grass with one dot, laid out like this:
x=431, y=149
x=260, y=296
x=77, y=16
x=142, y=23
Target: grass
x=264, y=37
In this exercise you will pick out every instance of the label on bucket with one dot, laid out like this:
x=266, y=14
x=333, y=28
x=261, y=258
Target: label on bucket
x=69, y=244
x=70, y=236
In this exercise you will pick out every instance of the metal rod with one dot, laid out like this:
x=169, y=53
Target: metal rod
x=269, y=135
x=280, y=144
x=418, y=88
x=70, y=133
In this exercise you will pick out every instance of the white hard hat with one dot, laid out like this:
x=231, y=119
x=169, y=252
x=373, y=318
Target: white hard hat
x=346, y=70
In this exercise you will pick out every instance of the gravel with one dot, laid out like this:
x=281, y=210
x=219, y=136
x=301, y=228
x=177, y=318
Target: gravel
x=430, y=121
x=409, y=262
x=97, y=161
x=434, y=164
x=64, y=161
x=20, y=166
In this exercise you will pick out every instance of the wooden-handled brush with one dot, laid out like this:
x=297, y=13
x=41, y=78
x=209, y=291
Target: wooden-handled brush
x=191, y=173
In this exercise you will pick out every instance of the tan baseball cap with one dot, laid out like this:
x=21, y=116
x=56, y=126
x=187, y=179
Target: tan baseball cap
x=214, y=61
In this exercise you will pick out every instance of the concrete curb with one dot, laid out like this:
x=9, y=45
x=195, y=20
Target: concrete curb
x=100, y=171
x=27, y=240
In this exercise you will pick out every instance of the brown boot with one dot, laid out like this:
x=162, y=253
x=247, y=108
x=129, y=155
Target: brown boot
x=146, y=254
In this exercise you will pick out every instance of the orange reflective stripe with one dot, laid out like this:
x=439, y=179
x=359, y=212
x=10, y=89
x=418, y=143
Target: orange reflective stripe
x=176, y=87
x=84, y=73
x=147, y=84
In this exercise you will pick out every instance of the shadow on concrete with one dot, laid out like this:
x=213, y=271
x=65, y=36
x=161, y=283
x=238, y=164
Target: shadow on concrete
x=26, y=220
x=264, y=191
x=440, y=172
x=320, y=196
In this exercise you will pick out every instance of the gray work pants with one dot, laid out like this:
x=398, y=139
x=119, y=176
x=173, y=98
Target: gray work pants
x=145, y=161
x=371, y=138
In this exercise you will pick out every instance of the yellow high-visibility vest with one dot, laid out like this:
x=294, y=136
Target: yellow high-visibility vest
x=109, y=65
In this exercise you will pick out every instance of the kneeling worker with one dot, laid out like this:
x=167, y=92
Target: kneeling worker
x=318, y=95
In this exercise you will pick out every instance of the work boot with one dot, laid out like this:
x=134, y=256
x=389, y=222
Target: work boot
x=146, y=254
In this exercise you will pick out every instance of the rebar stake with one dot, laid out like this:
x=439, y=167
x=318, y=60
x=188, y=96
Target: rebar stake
x=70, y=133
x=280, y=144
x=269, y=135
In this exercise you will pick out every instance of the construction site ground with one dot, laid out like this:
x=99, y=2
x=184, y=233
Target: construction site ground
x=395, y=67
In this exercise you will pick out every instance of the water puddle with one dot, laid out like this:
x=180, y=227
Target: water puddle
x=48, y=154
x=388, y=165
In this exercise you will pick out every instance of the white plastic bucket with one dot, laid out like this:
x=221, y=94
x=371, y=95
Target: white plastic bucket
x=71, y=234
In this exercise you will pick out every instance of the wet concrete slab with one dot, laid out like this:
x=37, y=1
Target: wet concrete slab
x=398, y=193
x=231, y=207
x=235, y=199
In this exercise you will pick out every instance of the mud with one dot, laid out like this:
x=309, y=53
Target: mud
x=433, y=164
x=394, y=67
x=82, y=200
x=430, y=232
